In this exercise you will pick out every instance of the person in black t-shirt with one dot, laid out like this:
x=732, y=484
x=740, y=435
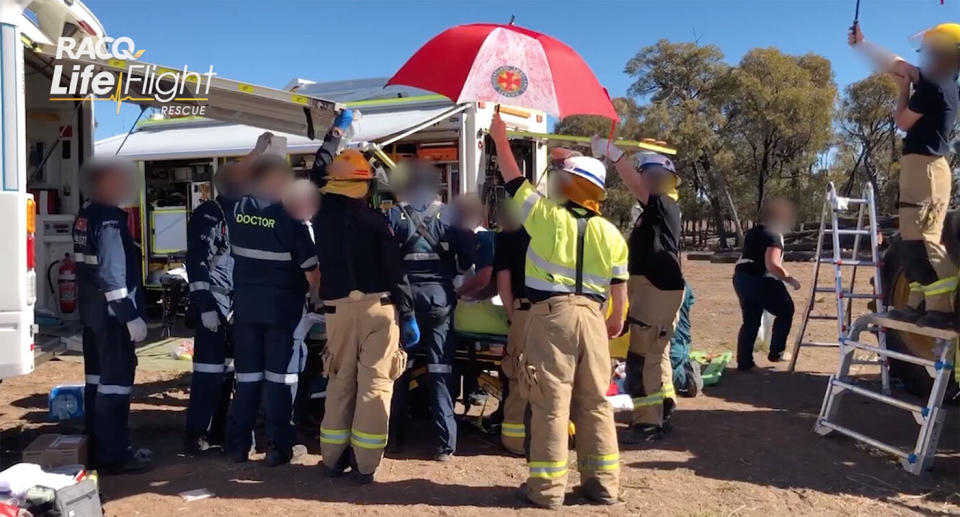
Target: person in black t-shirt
x=510, y=251
x=928, y=116
x=758, y=280
x=655, y=287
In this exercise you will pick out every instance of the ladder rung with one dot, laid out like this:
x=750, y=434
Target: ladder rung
x=851, y=262
x=860, y=296
x=843, y=231
x=822, y=317
x=867, y=362
x=886, y=399
x=825, y=290
x=866, y=439
x=820, y=344
x=883, y=352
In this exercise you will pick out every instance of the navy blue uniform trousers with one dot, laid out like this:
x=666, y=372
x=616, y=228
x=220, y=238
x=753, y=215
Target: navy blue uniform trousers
x=758, y=294
x=109, y=363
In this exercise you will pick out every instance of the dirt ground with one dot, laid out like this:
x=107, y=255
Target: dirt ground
x=743, y=447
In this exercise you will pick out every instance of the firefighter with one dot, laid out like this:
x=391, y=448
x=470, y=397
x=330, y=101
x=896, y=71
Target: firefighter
x=510, y=250
x=364, y=292
x=210, y=272
x=656, y=287
x=433, y=252
x=928, y=115
x=274, y=264
x=110, y=293
x=574, y=259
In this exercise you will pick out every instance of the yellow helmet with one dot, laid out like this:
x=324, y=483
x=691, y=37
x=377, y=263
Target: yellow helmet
x=350, y=165
x=945, y=36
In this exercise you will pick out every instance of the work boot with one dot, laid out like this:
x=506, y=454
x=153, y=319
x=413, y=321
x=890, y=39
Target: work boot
x=775, y=357
x=642, y=433
x=238, y=456
x=523, y=496
x=277, y=457
x=339, y=468
x=938, y=320
x=668, y=408
x=907, y=313
x=134, y=464
x=195, y=445
x=362, y=479
x=595, y=492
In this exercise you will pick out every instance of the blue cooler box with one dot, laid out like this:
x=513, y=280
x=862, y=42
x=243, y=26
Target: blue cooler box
x=66, y=402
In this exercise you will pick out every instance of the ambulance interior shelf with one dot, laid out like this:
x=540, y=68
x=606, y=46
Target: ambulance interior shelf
x=172, y=189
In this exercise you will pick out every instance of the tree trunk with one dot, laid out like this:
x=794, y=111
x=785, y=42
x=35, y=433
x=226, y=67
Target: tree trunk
x=721, y=184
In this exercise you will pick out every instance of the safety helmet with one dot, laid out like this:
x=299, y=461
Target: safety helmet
x=350, y=165
x=942, y=38
x=655, y=163
x=590, y=169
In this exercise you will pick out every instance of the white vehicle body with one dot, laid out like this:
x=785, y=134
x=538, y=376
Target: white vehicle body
x=45, y=142
x=24, y=26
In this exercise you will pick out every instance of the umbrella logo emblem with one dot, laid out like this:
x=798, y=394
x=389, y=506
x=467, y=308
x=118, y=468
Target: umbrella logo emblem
x=509, y=81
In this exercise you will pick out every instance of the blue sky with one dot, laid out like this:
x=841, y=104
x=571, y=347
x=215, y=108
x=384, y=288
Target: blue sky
x=269, y=42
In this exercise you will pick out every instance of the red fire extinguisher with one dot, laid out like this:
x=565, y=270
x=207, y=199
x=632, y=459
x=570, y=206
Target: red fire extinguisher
x=67, y=282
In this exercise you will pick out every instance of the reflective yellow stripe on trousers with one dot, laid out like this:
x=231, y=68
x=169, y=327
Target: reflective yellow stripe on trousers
x=334, y=436
x=512, y=430
x=943, y=286
x=600, y=462
x=655, y=398
x=548, y=469
x=368, y=440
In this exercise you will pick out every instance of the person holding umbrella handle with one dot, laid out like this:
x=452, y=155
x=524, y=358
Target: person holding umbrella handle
x=575, y=257
x=927, y=115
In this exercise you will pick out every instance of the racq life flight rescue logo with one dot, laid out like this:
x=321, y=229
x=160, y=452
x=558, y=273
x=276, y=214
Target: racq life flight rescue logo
x=118, y=77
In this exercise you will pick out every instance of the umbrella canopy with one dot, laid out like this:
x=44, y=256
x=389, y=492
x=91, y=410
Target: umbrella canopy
x=506, y=64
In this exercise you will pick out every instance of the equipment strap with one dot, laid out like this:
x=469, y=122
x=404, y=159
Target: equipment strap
x=582, y=221
x=419, y=223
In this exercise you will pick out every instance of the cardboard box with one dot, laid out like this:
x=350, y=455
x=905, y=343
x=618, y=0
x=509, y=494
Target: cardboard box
x=56, y=450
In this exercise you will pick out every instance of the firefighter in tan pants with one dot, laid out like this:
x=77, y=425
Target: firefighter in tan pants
x=656, y=287
x=364, y=291
x=574, y=259
x=928, y=115
x=510, y=249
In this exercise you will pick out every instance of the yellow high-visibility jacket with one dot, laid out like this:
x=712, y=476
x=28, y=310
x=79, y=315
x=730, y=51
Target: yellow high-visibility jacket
x=551, y=264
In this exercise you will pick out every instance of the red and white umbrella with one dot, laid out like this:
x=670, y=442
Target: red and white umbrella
x=506, y=64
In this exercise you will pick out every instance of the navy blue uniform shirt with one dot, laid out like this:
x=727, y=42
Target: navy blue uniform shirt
x=109, y=276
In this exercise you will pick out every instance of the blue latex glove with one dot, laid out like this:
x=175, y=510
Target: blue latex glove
x=409, y=332
x=343, y=120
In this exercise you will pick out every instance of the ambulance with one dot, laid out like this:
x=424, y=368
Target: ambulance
x=46, y=134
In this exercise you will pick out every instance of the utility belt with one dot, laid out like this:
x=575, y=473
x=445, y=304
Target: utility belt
x=521, y=304
x=549, y=304
x=330, y=306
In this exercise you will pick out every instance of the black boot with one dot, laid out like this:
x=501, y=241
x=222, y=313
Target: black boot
x=339, y=468
x=277, y=457
x=195, y=445
x=938, y=320
x=907, y=313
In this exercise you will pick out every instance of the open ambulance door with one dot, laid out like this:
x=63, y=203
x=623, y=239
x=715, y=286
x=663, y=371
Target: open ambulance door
x=223, y=99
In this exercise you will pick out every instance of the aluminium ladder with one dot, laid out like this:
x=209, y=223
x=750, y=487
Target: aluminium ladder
x=866, y=213
x=928, y=416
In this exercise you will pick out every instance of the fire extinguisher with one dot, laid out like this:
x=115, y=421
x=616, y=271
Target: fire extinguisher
x=67, y=282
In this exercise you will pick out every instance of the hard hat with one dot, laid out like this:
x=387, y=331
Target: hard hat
x=654, y=163
x=350, y=165
x=943, y=37
x=590, y=169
